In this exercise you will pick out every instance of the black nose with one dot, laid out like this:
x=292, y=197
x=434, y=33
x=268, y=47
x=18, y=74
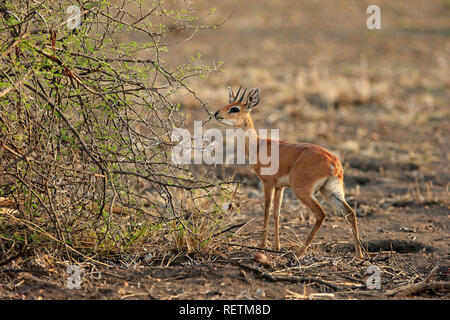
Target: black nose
x=216, y=114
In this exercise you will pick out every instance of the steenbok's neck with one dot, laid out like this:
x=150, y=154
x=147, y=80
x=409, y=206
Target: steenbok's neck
x=250, y=134
x=248, y=124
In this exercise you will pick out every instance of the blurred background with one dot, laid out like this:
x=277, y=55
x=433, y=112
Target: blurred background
x=322, y=72
x=379, y=99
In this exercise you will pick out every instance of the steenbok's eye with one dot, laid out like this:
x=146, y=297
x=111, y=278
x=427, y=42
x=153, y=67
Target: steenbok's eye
x=234, y=109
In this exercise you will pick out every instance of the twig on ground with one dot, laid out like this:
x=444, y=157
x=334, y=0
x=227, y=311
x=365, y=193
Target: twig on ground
x=253, y=248
x=416, y=288
x=271, y=277
x=229, y=228
x=17, y=270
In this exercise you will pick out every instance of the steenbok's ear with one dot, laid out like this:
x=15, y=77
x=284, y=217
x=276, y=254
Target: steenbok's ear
x=231, y=95
x=253, y=98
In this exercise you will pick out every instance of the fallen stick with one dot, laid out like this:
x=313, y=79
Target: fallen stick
x=271, y=277
x=229, y=229
x=415, y=288
x=17, y=270
x=253, y=248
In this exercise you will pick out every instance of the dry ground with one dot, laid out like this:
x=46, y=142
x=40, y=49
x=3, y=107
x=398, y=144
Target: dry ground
x=379, y=99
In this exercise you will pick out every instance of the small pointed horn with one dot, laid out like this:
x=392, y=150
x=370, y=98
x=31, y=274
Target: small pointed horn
x=243, y=94
x=230, y=95
x=237, y=93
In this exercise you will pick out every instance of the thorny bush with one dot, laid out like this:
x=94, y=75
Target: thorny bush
x=86, y=116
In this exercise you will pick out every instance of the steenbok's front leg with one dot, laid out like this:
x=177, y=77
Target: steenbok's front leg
x=276, y=213
x=268, y=199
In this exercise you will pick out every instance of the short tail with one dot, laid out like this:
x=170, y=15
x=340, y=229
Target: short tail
x=333, y=191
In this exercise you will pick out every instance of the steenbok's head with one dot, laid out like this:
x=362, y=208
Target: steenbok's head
x=237, y=112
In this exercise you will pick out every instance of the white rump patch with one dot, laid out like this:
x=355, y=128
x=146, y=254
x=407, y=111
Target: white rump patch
x=335, y=187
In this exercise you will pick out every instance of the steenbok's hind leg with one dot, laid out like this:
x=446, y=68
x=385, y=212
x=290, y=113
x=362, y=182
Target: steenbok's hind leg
x=334, y=193
x=348, y=211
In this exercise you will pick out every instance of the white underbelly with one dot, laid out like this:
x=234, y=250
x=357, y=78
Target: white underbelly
x=283, y=181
